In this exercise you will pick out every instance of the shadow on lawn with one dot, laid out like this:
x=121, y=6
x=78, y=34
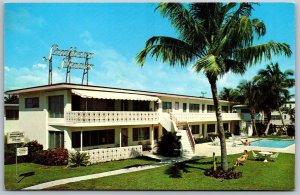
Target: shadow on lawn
x=177, y=169
x=23, y=175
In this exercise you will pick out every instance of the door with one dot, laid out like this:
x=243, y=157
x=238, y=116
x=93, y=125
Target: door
x=124, y=133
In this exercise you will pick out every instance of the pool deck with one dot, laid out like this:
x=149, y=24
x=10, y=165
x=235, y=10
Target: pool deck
x=207, y=149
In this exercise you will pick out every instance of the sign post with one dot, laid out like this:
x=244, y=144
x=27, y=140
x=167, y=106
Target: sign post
x=16, y=138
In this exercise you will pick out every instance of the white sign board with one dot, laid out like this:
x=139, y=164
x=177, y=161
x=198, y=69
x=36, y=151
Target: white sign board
x=22, y=151
x=15, y=137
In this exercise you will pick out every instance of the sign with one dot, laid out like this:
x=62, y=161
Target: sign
x=15, y=137
x=22, y=151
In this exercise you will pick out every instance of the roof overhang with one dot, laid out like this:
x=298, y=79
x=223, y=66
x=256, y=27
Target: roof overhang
x=113, y=95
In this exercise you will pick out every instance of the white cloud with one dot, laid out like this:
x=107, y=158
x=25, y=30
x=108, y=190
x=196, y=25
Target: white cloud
x=6, y=68
x=39, y=65
x=22, y=21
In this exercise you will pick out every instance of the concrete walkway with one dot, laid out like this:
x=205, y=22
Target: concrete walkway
x=93, y=176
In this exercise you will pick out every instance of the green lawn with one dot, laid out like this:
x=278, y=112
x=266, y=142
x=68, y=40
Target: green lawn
x=48, y=173
x=257, y=175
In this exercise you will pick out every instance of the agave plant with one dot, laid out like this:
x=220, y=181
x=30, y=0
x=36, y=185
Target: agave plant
x=79, y=159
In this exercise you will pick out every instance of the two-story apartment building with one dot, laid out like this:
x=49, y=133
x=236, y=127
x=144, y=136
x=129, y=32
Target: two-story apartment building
x=84, y=117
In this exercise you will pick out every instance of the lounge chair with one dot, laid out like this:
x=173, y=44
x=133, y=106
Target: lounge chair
x=273, y=157
x=255, y=156
x=232, y=137
x=215, y=141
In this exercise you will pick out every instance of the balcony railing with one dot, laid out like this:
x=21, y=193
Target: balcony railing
x=195, y=117
x=114, y=117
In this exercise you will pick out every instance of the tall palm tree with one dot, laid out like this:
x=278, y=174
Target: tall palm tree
x=275, y=85
x=216, y=38
x=230, y=94
x=250, y=93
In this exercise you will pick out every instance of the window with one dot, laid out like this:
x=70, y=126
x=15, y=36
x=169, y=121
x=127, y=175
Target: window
x=56, y=139
x=141, y=105
x=32, y=102
x=194, y=107
x=210, y=108
x=203, y=107
x=56, y=106
x=141, y=134
x=225, y=109
x=195, y=129
x=275, y=117
x=93, y=138
x=176, y=105
x=184, y=107
x=225, y=126
x=167, y=106
x=284, y=117
x=244, y=110
x=12, y=114
x=211, y=128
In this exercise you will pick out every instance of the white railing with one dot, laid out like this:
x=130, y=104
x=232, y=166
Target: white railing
x=111, y=154
x=195, y=117
x=111, y=117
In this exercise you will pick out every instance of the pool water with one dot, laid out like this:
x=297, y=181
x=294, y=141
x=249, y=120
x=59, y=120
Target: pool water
x=273, y=143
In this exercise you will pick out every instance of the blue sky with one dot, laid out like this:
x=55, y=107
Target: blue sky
x=116, y=33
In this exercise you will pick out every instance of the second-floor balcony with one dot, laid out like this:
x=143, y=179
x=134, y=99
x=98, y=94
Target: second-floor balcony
x=105, y=118
x=205, y=117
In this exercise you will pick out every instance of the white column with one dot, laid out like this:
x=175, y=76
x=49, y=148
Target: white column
x=152, y=136
x=120, y=137
x=229, y=126
x=81, y=141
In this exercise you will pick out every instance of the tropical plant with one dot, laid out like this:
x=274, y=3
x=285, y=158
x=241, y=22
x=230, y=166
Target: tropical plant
x=79, y=159
x=169, y=145
x=11, y=99
x=230, y=94
x=275, y=84
x=216, y=38
x=250, y=93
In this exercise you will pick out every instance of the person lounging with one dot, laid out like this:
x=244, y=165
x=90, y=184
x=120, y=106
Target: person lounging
x=246, y=142
x=242, y=158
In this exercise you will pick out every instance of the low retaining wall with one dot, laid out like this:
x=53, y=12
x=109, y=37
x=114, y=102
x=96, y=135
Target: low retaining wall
x=110, y=154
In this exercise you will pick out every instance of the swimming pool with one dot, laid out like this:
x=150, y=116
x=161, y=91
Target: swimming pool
x=272, y=143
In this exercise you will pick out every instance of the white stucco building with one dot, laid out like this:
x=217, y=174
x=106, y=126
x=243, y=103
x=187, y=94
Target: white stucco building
x=79, y=117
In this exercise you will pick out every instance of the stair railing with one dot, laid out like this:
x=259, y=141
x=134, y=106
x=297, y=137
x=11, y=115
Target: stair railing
x=190, y=136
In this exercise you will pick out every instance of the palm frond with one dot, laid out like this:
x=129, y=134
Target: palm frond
x=210, y=65
x=189, y=29
x=169, y=49
x=255, y=54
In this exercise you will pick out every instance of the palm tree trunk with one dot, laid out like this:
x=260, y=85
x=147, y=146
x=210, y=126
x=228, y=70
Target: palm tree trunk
x=252, y=115
x=280, y=112
x=224, y=162
x=269, y=123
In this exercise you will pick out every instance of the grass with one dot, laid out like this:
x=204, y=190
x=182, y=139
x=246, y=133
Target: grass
x=35, y=173
x=256, y=175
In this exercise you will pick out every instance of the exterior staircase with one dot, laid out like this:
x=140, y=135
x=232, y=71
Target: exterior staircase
x=187, y=140
x=183, y=130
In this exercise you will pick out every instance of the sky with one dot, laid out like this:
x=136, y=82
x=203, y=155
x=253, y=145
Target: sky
x=116, y=33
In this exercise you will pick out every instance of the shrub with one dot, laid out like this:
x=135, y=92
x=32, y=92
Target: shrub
x=220, y=174
x=169, y=145
x=291, y=130
x=57, y=156
x=79, y=159
x=33, y=147
x=10, y=154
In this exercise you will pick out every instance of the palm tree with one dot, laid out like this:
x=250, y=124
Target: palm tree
x=250, y=93
x=216, y=38
x=11, y=99
x=230, y=94
x=275, y=85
